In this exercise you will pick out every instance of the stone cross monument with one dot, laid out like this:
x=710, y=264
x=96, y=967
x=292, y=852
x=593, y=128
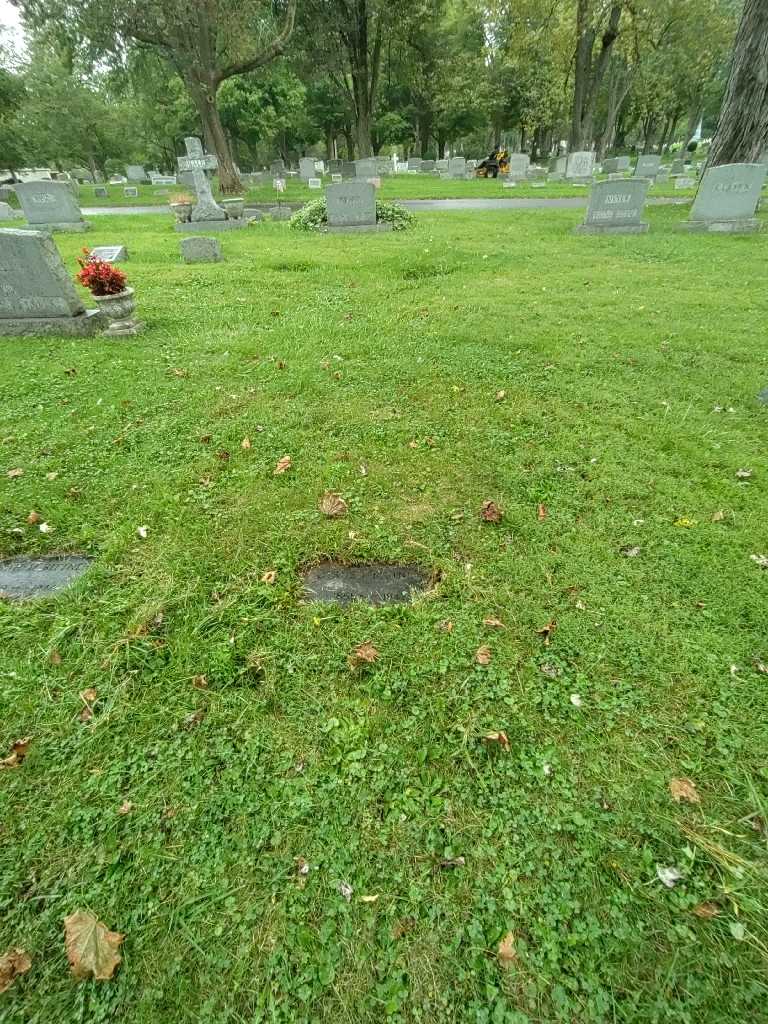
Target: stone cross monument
x=198, y=162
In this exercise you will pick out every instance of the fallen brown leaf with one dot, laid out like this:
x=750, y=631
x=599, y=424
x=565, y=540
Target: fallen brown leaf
x=54, y=657
x=494, y=623
x=706, y=910
x=506, y=954
x=17, y=754
x=491, y=512
x=684, y=789
x=200, y=682
x=333, y=505
x=193, y=720
x=245, y=444
x=363, y=654
x=13, y=474
x=500, y=395
x=546, y=631
x=542, y=512
x=88, y=696
x=483, y=655
x=283, y=465
x=86, y=714
x=499, y=738
x=33, y=518
x=13, y=963
x=269, y=576
x=91, y=947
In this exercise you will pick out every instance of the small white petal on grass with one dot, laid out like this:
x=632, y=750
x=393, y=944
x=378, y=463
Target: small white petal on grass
x=547, y=768
x=45, y=528
x=51, y=476
x=575, y=699
x=737, y=930
x=668, y=876
x=761, y=560
x=346, y=890
x=743, y=474
x=142, y=531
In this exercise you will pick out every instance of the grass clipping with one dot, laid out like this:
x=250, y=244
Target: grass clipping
x=314, y=216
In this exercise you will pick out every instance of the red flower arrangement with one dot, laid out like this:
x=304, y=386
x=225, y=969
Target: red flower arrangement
x=98, y=276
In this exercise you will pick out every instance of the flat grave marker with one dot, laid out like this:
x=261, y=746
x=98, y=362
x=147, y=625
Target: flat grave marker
x=314, y=183
x=200, y=249
x=23, y=578
x=335, y=583
x=110, y=253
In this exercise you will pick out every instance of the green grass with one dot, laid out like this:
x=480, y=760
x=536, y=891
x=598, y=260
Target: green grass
x=387, y=352
x=401, y=186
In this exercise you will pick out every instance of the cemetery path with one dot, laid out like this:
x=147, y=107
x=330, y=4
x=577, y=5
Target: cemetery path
x=423, y=204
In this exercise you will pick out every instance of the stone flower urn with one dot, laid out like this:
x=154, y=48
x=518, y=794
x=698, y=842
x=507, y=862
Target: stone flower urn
x=119, y=310
x=182, y=212
x=234, y=208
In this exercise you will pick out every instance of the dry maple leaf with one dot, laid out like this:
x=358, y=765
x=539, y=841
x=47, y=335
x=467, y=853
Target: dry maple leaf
x=269, y=576
x=490, y=512
x=17, y=754
x=363, y=654
x=333, y=505
x=13, y=963
x=500, y=738
x=91, y=947
x=506, y=954
x=684, y=789
x=706, y=910
x=542, y=512
x=282, y=465
x=494, y=623
x=88, y=696
x=546, y=631
x=483, y=655
x=12, y=474
x=33, y=518
x=200, y=682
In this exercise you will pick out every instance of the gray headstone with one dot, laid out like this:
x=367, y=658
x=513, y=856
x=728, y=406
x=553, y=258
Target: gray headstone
x=277, y=167
x=50, y=204
x=135, y=172
x=616, y=207
x=130, y=192
x=580, y=164
x=100, y=192
x=110, y=253
x=683, y=182
x=23, y=577
x=36, y=291
x=348, y=169
x=727, y=199
x=336, y=583
x=336, y=178
x=611, y=165
x=414, y=163
x=647, y=165
x=442, y=165
x=518, y=166
x=558, y=164
x=314, y=183
x=457, y=167
x=678, y=166
x=536, y=174
x=199, y=249
x=351, y=204
x=366, y=168
x=196, y=163
x=7, y=212
x=307, y=167
x=623, y=163
x=662, y=175
x=427, y=166
x=335, y=166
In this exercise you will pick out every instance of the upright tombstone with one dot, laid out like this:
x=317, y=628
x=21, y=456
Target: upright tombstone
x=611, y=165
x=519, y=163
x=348, y=169
x=427, y=166
x=277, y=167
x=442, y=165
x=616, y=208
x=110, y=253
x=414, y=163
x=100, y=192
x=623, y=163
x=135, y=172
x=206, y=211
x=50, y=206
x=678, y=166
x=727, y=199
x=366, y=167
x=662, y=175
x=36, y=292
x=130, y=192
x=558, y=164
x=647, y=165
x=352, y=207
x=335, y=166
x=457, y=167
x=580, y=166
x=7, y=212
x=307, y=168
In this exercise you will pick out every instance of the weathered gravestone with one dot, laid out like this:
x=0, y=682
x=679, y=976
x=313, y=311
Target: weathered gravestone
x=580, y=165
x=199, y=249
x=206, y=211
x=427, y=166
x=336, y=583
x=110, y=253
x=683, y=182
x=336, y=178
x=414, y=163
x=348, y=169
x=23, y=578
x=314, y=183
x=335, y=166
x=131, y=192
x=678, y=166
x=558, y=164
x=7, y=212
x=727, y=199
x=50, y=206
x=647, y=166
x=277, y=167
x=307, y=168
x=100, y=192
x=457, y=167
x=36, y=292
x=442, y=165
x=519, y=164
x=135, y=172
x=662, y=175
x=352, y=207
x=536, y=174
x=366, y=168
x=611, y=165
x=616, y=208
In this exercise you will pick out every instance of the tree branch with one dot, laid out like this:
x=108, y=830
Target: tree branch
x=276, y=47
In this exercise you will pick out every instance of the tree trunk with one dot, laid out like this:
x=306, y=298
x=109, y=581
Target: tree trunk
x=619, y=81
x=742, y=131
x=204, y=98
x=589, y=71
x=424, y=136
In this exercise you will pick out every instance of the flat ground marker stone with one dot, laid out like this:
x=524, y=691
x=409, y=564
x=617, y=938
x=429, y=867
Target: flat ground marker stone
x=22, y=578
x=379, y=583
x=199, y=249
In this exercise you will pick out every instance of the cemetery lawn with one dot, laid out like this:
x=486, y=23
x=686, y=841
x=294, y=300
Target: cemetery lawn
x=282, y=837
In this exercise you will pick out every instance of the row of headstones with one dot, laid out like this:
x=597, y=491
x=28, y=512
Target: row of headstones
x=726, y=202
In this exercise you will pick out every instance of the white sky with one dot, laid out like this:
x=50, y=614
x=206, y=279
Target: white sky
x=9, y=20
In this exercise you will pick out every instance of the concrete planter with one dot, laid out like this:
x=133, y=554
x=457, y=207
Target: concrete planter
x=118, y=310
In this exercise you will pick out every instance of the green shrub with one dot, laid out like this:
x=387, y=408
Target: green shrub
x=314, y=216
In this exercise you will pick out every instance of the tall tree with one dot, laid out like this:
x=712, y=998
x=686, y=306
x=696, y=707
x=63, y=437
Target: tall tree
x=742, y=131
x=598, y=22
x=207, y=41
